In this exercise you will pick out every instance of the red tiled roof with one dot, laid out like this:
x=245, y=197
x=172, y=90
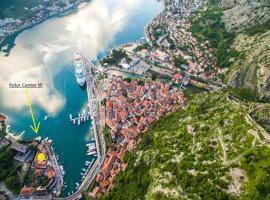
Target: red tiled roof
x=27, y=191
x=2, y=118
x=50, y=172
x=177, y=76
x=96, y=191
x=104, y=183
x=109, y=162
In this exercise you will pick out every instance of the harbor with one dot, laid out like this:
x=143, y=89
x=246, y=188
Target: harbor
x=97, y=147
x=61, y=95
x=82, y=117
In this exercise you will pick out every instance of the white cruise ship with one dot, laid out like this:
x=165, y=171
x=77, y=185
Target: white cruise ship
x=79, y=69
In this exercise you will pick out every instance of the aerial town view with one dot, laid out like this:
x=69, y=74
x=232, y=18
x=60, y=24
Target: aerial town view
x=135, y=99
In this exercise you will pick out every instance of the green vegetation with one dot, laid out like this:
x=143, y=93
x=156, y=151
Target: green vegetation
x=156, y=75
x=128, y=79
x=171, y=42
x=141, y=47
x=261, y=114
x=43, y=181
x=259, y=28
x=174, y=163
x=208, y=25
x=34, y=180
x=179, y=61
x=3, y=130
x=9, y=172
x=245, y=94
x=257, y=165
x=115, y=57
x=108, y=140
x=159, y=31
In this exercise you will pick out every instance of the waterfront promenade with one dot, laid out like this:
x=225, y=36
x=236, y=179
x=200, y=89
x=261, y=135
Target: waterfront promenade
x=94, y=105
x=58, y=172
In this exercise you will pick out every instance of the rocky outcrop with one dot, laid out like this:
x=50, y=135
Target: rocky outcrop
x=252, y=68
x=245, y=14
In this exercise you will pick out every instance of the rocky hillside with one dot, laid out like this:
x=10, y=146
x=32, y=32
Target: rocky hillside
x=208, y=149
x=252, y=69
x=242, y=15
x=250, y=22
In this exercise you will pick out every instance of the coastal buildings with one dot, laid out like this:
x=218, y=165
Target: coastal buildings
x=172, y=31
x=3, y=118
x=4, y=143
x=131, y=107
x=45, y=177
x=24, y=154
x=40, y=11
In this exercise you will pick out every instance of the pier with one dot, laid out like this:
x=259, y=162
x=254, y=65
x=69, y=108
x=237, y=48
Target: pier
x=58, y=171
x=82, y=117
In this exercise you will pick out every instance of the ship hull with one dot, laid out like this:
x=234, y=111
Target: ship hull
x=79, y=70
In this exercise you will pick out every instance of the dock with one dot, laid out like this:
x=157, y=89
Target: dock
x=82, y=117
x=95, y=108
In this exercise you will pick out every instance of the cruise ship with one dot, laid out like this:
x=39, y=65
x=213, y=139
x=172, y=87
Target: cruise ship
x=79, y=69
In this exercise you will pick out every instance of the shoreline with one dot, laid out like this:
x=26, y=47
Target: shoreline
x=19, y=136
x=12, y=136
x=63, y=13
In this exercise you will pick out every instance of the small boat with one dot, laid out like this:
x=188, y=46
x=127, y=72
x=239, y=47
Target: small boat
x=92, y=153
x=77, y=184
x=90, y=145
x=84, y=169
x=45, y=118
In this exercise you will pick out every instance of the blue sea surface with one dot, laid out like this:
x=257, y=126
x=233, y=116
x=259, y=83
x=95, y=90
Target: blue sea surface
x=45, y=53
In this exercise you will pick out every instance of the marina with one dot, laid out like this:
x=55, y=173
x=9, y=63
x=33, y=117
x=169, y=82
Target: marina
x=62, y=95
x=82, y=117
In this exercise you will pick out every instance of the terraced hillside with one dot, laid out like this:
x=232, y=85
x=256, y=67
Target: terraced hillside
x=207, y=150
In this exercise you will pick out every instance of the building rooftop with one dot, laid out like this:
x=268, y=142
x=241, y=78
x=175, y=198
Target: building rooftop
x=3, y=118
x=4, y=143
x=19, y=147
x=27, y=191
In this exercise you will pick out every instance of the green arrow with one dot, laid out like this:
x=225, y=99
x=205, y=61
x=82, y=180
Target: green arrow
x=33, y=127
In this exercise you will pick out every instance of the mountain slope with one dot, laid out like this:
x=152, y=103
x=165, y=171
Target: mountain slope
x=250, y=22
x=253, y=69
x=203, y=151
x=243, y=15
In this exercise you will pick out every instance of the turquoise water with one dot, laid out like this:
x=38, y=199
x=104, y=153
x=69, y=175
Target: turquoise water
x=44, y=54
